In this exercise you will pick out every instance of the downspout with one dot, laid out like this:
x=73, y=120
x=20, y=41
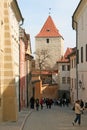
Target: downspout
x=76, y=54
x=19, y=63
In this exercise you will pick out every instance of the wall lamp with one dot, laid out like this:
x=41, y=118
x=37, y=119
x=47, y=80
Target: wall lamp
x=80, y=83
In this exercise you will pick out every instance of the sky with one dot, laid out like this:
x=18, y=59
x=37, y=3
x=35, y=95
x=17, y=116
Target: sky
x=36, y=12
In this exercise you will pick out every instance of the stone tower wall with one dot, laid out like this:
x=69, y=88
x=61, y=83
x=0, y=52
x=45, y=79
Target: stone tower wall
x=54, y=47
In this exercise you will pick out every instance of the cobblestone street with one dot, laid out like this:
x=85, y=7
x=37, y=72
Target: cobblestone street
x=56, y=118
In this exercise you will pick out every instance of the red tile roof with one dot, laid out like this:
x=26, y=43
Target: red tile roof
x=65, y=59
x=44, y=72
x=49, y=29
x=68, y=51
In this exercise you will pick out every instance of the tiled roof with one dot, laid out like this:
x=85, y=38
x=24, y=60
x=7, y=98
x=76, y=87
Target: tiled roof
x=44, y=72
x=49, y=29
x=64, y=59
x=68, y=51
x=73, y=52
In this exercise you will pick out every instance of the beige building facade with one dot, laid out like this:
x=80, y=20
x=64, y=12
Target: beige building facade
x=10, y=17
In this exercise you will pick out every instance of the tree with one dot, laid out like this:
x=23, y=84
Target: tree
x=42, y=57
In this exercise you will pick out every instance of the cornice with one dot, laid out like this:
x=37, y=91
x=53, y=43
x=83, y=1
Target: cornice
x=16, y=10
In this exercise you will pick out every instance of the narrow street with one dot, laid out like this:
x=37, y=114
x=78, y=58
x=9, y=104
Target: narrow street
x=56, y=118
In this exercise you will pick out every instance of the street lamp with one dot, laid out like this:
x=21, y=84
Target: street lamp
x=80, y=83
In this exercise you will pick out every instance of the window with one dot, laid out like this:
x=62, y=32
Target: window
x=47, y=40
x=77, y=56
x=72, y=63
x=86, y=52
x=72, y=83
x=68, y=80
x=68, y=67
x=82, y=54
x=63, y=80
x=48, y=30
x=75, y=83
x=63, y=67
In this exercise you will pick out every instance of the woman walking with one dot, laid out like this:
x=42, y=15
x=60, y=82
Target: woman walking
x=78, y=111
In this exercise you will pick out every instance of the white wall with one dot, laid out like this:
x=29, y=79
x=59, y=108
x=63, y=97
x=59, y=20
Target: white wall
x=82, y=41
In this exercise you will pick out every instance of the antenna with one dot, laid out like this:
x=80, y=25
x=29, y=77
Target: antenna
x=49, y=11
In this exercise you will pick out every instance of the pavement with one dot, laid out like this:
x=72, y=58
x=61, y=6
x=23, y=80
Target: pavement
x=56, y=118
x=18, y=125
x=59, y=118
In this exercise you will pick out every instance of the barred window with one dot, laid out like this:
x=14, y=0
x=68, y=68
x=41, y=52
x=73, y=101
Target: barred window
x=68, y=80
x=63, y=80
x=63, y=67
x=68, y=67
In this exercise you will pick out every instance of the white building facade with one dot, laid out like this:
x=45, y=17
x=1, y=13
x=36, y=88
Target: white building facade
x=80, y=25
x=64, y=75
x=73, y=88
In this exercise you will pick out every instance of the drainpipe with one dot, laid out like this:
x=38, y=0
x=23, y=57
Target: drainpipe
x=76, y=54
x=19, y=63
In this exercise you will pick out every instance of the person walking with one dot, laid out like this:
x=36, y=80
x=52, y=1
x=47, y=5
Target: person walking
x=37, y=104
x=78, y=111
x=32, y=100
x=82, y=104
x=41, y=103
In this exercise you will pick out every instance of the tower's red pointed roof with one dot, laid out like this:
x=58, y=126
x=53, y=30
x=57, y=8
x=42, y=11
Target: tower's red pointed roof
x=49, y=29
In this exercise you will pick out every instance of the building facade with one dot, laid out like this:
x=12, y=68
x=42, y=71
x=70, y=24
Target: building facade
x=64, y=75
x=25, y=69
x=73, y=88
x=80, y=25
x=9, y=62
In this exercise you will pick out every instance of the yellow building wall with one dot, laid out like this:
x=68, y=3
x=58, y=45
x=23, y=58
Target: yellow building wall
x=1, y=56
x=37, y=88
x=9, y=90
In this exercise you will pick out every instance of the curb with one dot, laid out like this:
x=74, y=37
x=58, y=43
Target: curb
x=22, y=126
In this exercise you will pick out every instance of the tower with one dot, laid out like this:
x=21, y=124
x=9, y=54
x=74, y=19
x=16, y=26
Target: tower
x=51, y=40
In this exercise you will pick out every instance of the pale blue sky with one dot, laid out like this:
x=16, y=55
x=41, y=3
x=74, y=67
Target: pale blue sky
x=35, y=13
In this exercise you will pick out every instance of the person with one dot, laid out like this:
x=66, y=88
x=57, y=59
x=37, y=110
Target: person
x=41, y=103
x=37, y=104
x=50, y=103
x=32, y=102
x=82, y=104
x=78, y=111
x=47, y=102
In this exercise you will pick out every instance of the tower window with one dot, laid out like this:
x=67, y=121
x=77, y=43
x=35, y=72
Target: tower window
x=47, y=40
x=48, y=30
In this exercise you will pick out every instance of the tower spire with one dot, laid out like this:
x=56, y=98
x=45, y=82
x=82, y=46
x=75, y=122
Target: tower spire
x=49, y=11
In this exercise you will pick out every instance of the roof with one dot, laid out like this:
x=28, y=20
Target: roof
x=16, y=10
x=44, y=72
x=68, y=51
x=65, y=59
x=73, y=52
x=49, y=29
x=79, y=8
